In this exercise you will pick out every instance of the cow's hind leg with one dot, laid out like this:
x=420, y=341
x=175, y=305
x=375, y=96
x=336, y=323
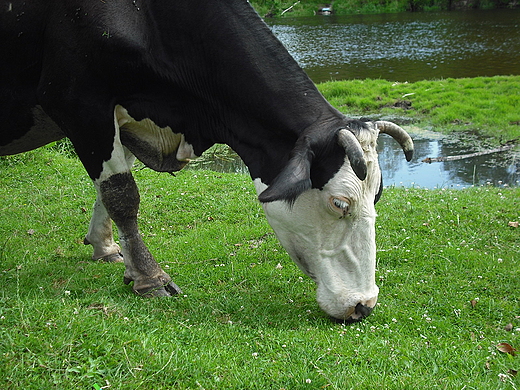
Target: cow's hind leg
x=100, y=234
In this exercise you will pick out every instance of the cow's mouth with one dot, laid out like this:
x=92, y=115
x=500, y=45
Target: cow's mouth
x=360, y=312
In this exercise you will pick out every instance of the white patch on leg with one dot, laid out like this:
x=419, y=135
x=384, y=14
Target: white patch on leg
x=118, y=160
x=100, y=232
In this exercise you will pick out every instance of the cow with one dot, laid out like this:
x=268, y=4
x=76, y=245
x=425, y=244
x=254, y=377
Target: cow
x=165, y=80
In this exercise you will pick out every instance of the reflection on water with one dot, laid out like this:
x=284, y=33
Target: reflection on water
x=496, y=169
x=404, y=46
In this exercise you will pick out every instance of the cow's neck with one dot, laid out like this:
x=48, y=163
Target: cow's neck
x=234, y=83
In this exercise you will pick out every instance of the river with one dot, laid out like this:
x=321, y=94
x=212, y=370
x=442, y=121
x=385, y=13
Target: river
x=404, y=46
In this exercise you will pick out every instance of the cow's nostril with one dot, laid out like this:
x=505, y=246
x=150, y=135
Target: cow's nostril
x=363, y=311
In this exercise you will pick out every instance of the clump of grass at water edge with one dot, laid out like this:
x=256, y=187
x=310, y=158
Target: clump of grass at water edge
x=485, y=106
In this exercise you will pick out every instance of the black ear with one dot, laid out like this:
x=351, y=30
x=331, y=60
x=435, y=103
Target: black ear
x=379, y=191
x=294, y=179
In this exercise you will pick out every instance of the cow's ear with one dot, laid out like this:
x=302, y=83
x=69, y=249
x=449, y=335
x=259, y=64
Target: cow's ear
x=294, y=179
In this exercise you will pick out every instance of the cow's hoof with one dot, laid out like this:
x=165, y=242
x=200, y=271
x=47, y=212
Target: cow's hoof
x=166, y=288
x=116, y=257
x=113, y=258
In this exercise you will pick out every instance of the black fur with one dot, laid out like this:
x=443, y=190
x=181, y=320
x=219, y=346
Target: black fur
x=210, y=69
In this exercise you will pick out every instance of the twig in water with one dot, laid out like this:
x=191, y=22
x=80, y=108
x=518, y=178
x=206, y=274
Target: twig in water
x=290, y=8
x=429, y=160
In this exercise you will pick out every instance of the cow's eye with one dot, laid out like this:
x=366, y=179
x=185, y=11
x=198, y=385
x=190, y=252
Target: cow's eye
x=340, y=206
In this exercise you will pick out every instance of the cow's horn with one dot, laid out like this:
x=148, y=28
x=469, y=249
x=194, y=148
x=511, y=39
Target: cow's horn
x=399, y=134
x=354, y=153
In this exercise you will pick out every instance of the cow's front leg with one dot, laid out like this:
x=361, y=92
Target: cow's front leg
x=121, y=199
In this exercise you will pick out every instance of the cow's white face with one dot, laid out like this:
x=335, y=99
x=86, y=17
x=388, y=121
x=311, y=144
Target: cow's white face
x=330, y=234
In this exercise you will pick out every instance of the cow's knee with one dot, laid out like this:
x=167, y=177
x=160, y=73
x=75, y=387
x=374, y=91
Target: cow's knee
x=120, y=196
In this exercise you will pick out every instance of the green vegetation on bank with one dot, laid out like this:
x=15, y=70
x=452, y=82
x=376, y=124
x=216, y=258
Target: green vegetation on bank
x=276, y=8
x=486, y=106
x=448, y=269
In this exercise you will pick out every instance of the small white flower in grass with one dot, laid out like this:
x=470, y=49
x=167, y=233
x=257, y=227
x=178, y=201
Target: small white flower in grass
x=394, y=320
x=254, y=354
x=67, y=292
x=308, y=381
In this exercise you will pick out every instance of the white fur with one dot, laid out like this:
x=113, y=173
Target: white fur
x=339, y=254
x=100, y=229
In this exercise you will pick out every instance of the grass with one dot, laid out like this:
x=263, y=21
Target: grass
x=487, y=106
x=448, y=269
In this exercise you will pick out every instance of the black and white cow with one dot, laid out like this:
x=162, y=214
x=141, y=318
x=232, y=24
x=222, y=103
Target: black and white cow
x=163, y=80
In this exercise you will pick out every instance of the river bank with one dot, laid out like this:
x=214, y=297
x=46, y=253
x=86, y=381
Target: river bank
x=281, y=8
x=485, y=106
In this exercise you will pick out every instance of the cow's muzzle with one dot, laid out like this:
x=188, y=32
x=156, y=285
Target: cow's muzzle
x=359, y=313
x=356, y=312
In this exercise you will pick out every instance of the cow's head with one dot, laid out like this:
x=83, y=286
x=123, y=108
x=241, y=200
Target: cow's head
x=330, y=232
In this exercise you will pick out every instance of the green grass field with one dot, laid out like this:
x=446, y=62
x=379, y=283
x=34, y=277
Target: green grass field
x=448, y=270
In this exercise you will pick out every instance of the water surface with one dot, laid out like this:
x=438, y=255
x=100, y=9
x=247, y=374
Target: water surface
x=404, y=46
x=498, y=169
